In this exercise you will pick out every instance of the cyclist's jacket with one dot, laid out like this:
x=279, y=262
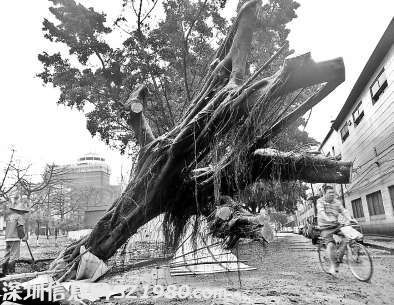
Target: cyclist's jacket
x=328, y=213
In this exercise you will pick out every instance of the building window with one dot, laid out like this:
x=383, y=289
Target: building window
x=344, y=132
x=357, y=207
x=375, y=203
x=391, y=191
x=378, y=86
x=358, y=114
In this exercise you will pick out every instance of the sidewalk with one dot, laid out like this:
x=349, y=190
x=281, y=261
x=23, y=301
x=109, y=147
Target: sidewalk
x=380, y=242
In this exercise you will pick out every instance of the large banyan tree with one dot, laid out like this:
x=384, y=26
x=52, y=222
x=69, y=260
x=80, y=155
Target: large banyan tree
x=222, y=143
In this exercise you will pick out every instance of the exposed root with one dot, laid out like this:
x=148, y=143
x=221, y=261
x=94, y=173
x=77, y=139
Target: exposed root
x=227, y=121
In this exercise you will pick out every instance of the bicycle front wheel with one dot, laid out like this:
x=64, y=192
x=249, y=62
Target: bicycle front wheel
x=359, y=261
x=323, y=257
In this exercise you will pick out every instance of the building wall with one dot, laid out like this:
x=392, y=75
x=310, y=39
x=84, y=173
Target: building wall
x=376, y=129
x=91, y=217
x=90, y=180
x=332, y=146
x=370, y=146
x=85, y=175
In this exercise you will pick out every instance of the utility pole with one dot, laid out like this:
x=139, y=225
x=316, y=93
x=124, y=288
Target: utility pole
x=342, y=196
x=314, y=202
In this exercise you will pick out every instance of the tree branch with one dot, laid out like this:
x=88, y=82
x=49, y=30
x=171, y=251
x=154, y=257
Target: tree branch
x=185, y=52
x=167, y=103
x=137, y=120
x=150, y=10
x=100, y=58
x=156, y=91
x=336, y=75
x=139, y=18
x=10, y=162
x=242, y=41
x=270, y=163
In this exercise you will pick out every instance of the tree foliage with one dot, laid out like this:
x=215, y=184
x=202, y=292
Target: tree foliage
x=222, y=144
x=281, y=195
x=279, y=218
x=170, y=55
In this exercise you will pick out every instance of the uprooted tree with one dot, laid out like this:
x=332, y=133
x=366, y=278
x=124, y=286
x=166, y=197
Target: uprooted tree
x=221, y=145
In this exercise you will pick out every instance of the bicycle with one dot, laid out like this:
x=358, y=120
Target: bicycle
x=356, y=256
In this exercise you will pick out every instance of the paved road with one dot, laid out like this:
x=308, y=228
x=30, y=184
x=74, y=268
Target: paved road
x=288, y=273
x=291, y=275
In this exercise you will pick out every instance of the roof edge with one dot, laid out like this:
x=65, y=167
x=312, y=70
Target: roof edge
x=326, y=138
x=380, y=51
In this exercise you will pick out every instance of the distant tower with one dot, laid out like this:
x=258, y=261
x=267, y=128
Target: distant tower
x=92, y=169
x=90, y=175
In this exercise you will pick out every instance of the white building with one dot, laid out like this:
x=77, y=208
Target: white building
x=90, y=175
x=363, y=133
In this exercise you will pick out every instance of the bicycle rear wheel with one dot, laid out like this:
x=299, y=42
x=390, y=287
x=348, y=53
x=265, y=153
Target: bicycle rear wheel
x=323, y=257
x=359, y=261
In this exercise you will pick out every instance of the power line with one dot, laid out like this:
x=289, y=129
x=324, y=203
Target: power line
x=380, y=176
x=372, y=163
x=376, y=155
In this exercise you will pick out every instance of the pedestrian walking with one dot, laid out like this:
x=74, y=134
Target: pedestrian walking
x=14, y=232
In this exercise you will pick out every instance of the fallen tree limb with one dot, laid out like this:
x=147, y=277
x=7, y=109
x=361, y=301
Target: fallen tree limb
x=270, y=163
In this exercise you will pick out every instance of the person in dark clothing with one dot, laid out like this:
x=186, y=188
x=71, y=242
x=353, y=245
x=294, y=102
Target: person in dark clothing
x=14, y=232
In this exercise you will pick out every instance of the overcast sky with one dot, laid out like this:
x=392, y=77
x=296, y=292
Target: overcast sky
x=43, y=132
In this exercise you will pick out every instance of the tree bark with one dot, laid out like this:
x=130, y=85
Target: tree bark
x=270, y=163
x=164, y=180
x=137, y=120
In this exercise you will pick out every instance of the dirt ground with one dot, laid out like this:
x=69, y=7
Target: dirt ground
x=45, y=250
x=288, y=272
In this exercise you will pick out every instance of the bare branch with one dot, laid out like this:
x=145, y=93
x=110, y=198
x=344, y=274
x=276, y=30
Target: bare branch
x=100, y=58
x=9, y=164
x=150, y=10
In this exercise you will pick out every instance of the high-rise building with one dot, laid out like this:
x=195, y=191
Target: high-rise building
x=89, y=181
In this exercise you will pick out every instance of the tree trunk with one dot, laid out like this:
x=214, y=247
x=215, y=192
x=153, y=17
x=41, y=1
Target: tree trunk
x=247, y=113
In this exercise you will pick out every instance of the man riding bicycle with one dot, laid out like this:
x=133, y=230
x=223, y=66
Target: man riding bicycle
x=328, y=211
